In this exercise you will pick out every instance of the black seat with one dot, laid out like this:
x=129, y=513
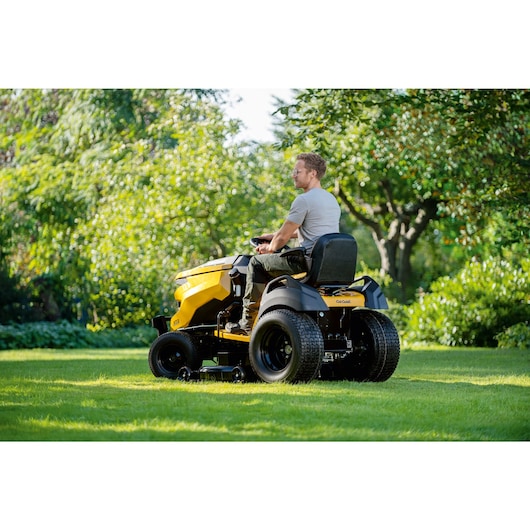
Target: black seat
x=333, y=261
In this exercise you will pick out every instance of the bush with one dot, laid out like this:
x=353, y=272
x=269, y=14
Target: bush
x=14, y=302
x=472, y=309
x=63, y=335
x=517, y=336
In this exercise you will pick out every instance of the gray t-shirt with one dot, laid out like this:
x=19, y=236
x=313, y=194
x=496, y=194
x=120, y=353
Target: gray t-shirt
x=317, y=212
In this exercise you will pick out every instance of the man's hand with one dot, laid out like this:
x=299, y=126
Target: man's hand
x=264, y=248
x=279, y=239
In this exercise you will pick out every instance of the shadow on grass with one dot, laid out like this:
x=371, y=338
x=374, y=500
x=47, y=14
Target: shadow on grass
x=116, y=398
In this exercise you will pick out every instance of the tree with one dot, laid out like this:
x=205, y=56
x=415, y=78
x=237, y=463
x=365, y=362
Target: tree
x=492, y=144
x=402, y=162
x=109, y=192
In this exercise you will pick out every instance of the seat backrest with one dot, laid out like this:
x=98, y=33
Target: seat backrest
x=333, y=261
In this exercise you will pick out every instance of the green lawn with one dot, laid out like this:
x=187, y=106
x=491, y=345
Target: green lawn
x=435, y=394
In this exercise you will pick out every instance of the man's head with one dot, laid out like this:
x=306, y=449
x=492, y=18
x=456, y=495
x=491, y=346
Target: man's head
x=314, y=162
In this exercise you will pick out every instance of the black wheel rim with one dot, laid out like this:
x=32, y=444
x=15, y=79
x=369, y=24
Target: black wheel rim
x=238, y=375
x=276, y=349
x=184, y=374
x=364, y=346
x=364, y=351
x=170, y=360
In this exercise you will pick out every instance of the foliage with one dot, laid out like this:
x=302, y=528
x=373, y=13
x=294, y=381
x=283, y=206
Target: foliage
x=14, y=302
x=517, y=336
x=492, y=146
x=404, y=159
x=105, y=194
x=64, y=334
x=473, y=308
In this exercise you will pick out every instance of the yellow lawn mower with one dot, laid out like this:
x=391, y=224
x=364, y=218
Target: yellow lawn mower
x=323, y=325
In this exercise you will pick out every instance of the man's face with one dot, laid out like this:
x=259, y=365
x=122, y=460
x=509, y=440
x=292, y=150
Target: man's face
x=302, y=176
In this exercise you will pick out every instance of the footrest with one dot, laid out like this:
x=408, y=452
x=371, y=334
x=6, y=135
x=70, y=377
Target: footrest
x=231, y=336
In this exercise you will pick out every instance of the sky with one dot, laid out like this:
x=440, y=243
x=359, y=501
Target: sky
x=255, y=109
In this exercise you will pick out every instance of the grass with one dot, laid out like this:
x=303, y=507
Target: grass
x=436, y=394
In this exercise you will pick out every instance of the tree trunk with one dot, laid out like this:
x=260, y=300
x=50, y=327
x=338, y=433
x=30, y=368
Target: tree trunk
x=395, y=244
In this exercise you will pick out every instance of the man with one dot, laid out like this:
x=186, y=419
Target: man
x=313, y=213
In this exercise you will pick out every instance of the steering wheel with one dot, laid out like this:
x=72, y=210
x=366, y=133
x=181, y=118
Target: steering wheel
x=255, y=241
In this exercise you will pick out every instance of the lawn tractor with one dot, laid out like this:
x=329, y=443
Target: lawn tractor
x=323, y=324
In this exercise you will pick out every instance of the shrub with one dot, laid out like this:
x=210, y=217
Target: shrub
x=14, y=302
x=482, y=301
x=65, y=334
x=517, y=336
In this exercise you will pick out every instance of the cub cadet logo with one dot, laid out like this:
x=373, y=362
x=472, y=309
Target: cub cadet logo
x=342, y=301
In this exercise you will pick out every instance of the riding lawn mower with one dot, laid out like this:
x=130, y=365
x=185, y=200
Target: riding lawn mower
x=324, y=324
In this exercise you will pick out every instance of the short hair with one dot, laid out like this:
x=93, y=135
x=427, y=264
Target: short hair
x=313, y=161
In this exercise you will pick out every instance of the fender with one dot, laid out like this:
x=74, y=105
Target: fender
x=285, y=291
x=373, y=295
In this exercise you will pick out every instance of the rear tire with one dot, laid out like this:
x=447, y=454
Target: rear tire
x=376, y=347
x=286, y=346
x=171, y=352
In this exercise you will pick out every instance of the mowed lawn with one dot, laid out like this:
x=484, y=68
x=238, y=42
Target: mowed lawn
x=436, y=394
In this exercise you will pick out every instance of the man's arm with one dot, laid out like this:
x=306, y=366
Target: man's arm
x=280, y=238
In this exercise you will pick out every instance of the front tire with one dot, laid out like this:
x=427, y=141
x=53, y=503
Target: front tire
x=171, y=352
x=286, y=346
